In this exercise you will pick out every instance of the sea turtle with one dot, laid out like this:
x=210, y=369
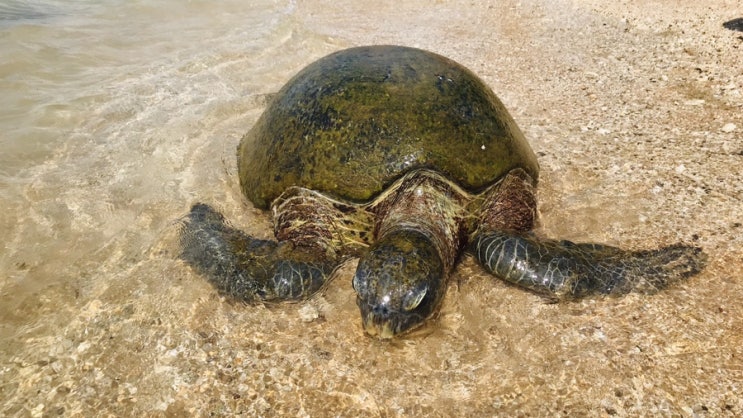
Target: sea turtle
x=404, y=159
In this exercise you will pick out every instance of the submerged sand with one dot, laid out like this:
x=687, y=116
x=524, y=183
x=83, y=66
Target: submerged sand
x=636, y=112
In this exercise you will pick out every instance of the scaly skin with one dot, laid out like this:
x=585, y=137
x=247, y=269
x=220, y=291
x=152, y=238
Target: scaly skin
x=247, y=268
x=402, y=279
x=566, y=270
x=399, y=283
x=412, y=154
x=315, y=235
x=422, y=223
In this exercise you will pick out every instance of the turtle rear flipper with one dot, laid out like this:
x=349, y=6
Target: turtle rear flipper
x=566, y=270
x=248, y=268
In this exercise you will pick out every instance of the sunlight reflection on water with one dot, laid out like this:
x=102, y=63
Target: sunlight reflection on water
x=118, y=115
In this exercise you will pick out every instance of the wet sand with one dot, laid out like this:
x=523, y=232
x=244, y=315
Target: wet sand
x=636, y=113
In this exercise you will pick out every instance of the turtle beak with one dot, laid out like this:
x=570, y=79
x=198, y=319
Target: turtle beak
x=377, y=321
x=374, y=328
x=383, y=323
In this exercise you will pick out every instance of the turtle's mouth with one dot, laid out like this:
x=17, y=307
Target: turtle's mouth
x=383, y=331
x=386, y=324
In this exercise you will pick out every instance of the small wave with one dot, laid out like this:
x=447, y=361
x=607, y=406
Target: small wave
x=24, y=10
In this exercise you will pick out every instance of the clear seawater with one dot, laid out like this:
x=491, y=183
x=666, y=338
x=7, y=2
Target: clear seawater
x=117, y=115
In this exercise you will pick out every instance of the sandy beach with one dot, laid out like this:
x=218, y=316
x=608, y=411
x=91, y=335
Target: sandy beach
x=634, y=108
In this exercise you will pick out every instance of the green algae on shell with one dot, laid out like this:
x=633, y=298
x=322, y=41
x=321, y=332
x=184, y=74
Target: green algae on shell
x=350, y=124
x=404, y=159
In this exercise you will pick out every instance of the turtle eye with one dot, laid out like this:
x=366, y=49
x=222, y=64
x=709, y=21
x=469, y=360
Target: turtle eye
x=414, y=298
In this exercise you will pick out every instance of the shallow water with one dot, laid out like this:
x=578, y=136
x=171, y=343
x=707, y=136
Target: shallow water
x=101, y=107
x=118, y=115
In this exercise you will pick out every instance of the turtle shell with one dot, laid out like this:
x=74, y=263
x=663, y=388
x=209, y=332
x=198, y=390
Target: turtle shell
x=353, y=122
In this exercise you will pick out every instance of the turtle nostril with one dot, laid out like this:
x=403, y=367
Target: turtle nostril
x=380, y=310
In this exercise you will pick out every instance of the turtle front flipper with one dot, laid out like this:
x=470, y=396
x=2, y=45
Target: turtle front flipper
x=314, y=236
x=565, y=270
x=248, y=268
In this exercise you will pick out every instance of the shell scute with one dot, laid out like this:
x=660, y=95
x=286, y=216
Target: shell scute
x=351, y=123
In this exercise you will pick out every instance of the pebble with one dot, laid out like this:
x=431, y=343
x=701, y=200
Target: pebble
x=729, y=127
x=38, y=410
x=695, y=102
x=308, y=313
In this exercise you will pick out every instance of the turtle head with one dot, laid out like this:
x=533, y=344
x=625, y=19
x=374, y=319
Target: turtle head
x=399, y=283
